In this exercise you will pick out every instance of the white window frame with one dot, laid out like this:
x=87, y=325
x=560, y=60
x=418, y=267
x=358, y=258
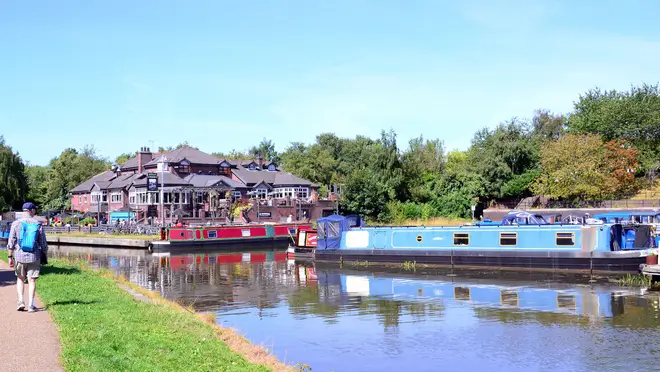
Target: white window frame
x=199, y=197
x=116, y=197
x=236, y=194
x=102, y=195
x=261, y=192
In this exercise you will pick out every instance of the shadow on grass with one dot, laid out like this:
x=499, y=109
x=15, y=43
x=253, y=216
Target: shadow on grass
x=73, y=302
x=59, y=270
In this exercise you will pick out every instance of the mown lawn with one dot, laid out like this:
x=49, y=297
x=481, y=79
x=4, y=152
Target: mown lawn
x=103, y=328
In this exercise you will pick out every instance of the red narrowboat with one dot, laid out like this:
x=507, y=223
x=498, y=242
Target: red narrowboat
x=212, y=236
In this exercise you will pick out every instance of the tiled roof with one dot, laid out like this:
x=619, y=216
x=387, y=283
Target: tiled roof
x=279, y=178
x=87, y=185
x=123, y=181
x=205, y=180
x=193, y=155
x=170, y=180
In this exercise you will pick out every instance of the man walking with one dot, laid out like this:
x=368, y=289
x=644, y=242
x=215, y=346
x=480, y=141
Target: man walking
x=28, y=239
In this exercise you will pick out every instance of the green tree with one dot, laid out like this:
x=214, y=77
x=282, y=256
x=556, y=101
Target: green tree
x=37, y=177
x=68, y=170
x=583, y=167
x=266, y=151
x=501, y=154
x=232, y=155
x=13, y=181
x=123, y=158
x=632, y=116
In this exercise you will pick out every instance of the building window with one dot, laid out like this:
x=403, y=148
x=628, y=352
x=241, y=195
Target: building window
x=183, y=167
x=236, y=194
x=261, y=193
x=272, y=168
x=79, y=199
x=84, y=199
x=99, y=195
x=302, y=192
x=132, y=197
x=508, y=239
x=284, y=192
x=565, y=238
x=252, y=166
x=461, y=238
x=116, y=197
x=200, y=197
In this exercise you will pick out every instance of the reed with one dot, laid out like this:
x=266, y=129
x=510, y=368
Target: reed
x=638, y=280
x=409, y=266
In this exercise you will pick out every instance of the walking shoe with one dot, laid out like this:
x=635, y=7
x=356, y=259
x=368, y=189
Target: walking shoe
x=21, y=306
x=32, y=309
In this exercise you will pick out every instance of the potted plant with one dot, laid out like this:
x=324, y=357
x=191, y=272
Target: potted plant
x=652, y=257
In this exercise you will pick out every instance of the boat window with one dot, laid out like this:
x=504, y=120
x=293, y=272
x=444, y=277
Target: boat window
x=333, y=229
x=462, y=293
x=508, y=238
x=509, y=297
x=321, y=231
x=461, y=238
x=566, y=301
x=565, y=238
x=213, y=234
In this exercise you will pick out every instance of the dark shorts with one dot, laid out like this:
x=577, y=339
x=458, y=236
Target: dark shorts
x=29, y=270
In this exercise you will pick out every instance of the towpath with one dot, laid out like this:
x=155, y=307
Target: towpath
x=28, y=341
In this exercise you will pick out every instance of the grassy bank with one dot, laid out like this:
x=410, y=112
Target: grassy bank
x=112, y=236
x=104, y=328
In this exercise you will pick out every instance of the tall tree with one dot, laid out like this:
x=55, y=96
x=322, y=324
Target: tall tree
x=13, y=181
x=502, y=154
x=38, y=184
x=123, y=158
x=632, y=116
x=67, y=171
x=265, y=150
x=547, y=126
x=583, y=167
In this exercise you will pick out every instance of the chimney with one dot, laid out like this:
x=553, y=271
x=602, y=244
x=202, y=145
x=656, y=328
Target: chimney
x=144, y=156
x=259, y=162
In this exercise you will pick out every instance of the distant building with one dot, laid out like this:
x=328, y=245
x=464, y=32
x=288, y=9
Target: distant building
x=199, y=186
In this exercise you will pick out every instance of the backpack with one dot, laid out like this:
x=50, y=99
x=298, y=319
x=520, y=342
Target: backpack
x=29, y=236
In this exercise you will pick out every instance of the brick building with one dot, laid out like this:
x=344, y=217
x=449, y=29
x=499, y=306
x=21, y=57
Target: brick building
x=198, y=187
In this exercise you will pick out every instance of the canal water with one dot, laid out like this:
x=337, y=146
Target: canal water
x=367, y=319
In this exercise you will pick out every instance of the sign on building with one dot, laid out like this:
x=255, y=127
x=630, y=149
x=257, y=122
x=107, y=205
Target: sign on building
x=152, y=211
x=152, y=182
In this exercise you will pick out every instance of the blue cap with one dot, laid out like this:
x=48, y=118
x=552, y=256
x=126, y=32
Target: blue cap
x=27, y=206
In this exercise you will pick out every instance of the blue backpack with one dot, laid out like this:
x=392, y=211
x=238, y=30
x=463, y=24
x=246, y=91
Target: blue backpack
x=29, y=236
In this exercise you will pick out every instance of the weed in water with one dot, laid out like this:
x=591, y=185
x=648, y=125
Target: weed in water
x=360, y=263
x=639, y=280
x=409, y=266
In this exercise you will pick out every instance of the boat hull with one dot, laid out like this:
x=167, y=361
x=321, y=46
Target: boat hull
x=620, y=261
x=225, y=244
x=215, y=236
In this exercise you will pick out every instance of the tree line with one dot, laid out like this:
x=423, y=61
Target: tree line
x=607, y=147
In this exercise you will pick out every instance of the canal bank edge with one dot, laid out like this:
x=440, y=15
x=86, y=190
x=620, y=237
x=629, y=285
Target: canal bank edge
x=129, y=334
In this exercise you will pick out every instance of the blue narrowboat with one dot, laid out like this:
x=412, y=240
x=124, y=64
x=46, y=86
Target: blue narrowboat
x=535, y=244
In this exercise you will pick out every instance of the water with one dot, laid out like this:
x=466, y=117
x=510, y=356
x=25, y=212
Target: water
x=389, y=320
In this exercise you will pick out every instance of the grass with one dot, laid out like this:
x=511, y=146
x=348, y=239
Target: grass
x=113, y=236
x=409, y=266
x=638, y=280
x=104, y=328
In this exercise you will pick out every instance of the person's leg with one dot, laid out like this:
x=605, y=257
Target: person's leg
x=20, y=285
x=33, y=275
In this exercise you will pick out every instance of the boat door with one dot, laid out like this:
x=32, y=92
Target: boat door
x=380, y=239
x=270, y=231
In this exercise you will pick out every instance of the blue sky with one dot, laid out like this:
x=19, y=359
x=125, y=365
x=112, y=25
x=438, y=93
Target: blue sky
x=224, y=74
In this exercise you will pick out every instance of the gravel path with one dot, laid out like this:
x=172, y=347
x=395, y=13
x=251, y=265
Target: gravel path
x=30, y=341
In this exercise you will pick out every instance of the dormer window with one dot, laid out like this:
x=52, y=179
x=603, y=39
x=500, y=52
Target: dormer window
x=183, y=167
x=252, y=166
x=224, y=167
x=272, y=167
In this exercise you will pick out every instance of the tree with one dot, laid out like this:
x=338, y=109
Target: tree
x=13, y=181
x=547, y=126
x=583, y=167
x=423, y=161
x=69, y=170
x=632, y=116
x=265, y=150
x=499, y=155
x=123, y=158
x=232, y=155
x=37, y=177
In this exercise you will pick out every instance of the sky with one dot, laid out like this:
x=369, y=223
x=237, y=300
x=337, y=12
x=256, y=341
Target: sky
x=223, y=75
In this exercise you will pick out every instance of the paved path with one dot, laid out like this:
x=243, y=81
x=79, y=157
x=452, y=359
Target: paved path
x=18, y=328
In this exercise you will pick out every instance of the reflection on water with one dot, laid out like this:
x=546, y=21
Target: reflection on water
x=349, y=320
